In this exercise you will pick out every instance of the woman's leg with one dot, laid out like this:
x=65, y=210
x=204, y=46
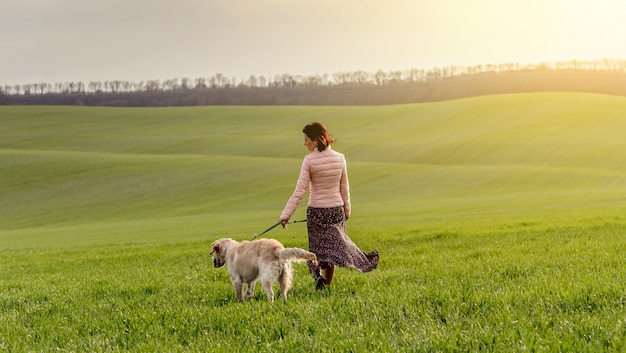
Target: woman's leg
x=329, y=273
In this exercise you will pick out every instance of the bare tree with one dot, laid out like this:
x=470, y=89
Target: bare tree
x=262, y=81
x=185, y=83
x=252, y=81
x=153, y=85
x=200, y=83
x=218, y=80
x=380, y=77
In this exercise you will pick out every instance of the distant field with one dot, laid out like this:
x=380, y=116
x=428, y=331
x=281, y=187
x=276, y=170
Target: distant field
x=500, y=221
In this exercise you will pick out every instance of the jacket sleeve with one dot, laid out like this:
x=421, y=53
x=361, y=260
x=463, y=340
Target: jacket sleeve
x=301, y=188
x=344, y=188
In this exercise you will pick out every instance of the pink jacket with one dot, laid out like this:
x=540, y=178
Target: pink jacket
x=327, y=176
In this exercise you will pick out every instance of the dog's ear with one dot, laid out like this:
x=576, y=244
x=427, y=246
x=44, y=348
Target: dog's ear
x=214, y=247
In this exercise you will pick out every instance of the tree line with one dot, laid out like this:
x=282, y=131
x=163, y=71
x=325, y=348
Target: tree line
x=349, y=87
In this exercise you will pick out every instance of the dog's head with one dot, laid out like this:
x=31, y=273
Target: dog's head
x=218, y=250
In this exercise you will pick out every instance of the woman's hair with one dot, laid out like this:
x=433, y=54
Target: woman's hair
x=318, y=132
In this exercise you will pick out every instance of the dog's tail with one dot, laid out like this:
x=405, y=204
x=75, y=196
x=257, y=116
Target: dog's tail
x=297, y=254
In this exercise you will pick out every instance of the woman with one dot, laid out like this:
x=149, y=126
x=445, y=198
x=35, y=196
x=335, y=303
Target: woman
x=324, y=173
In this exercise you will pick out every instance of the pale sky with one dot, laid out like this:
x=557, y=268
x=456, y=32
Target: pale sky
x=49, y=41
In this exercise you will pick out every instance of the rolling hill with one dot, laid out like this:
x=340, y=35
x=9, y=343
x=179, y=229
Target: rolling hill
x=91, y=175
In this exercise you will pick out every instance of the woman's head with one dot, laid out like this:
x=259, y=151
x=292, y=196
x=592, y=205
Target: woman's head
x=316, y=135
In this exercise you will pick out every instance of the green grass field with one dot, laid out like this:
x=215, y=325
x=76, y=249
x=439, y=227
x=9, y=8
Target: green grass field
x=500, y=221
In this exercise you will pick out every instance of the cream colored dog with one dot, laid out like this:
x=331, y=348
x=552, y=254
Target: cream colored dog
x=264, y=259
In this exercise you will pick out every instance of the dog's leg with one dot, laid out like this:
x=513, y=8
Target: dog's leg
x=284, y=281
x=267, y=285
x=238, y=289
x=250, y=291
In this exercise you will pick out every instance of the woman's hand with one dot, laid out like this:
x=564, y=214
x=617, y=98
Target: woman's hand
x=283, y=222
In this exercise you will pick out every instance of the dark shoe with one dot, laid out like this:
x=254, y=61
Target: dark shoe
x=320, y=282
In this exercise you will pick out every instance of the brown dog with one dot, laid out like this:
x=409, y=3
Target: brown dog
x=264, y=259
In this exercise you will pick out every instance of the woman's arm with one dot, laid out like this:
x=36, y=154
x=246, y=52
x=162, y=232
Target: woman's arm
x=301, y=188
x=344, y=188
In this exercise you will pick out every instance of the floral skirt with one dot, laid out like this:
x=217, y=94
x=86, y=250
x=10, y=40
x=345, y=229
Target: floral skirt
x=330, y=242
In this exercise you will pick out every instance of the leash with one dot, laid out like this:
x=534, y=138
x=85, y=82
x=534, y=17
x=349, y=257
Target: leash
x=274, y=226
